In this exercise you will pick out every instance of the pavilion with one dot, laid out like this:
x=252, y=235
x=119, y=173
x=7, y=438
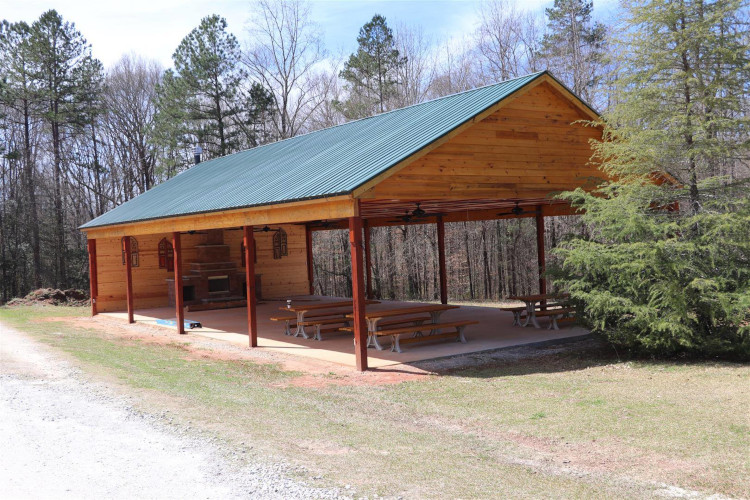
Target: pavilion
x=242, y=224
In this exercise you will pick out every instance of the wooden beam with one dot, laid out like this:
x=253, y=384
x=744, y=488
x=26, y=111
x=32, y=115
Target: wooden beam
x=93, y=278
x=358, y=293
x=178, y=298
x=129, y=280
x=252, y=317
x=441, y=261
x=309, y=243
x=338, y=207
x=548, y=210
x=540, y=253
x=368, y=263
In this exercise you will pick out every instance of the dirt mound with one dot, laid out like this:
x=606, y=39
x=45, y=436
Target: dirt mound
x=52, y=297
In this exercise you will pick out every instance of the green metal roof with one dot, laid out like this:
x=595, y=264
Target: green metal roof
x=328, y=162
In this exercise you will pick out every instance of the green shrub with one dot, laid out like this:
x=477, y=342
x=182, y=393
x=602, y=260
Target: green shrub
x=661, y=282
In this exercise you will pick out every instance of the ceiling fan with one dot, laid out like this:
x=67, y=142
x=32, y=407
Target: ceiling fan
x=264, y=229
x=414, y=215
x=322, y=224
x=519, y=211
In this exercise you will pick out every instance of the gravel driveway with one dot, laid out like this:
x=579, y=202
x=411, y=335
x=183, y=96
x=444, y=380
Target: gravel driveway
x=62, y=435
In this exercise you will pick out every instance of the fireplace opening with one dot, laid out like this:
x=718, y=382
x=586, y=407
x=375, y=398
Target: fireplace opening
x=218, y=284
x=188, y=293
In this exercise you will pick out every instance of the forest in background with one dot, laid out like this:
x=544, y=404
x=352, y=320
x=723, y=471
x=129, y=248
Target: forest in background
x=77, y=139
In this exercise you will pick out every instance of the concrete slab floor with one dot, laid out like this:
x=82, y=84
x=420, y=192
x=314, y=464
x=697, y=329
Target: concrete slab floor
x=494, y=331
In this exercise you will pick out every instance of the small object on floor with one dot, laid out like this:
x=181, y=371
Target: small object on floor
x=189, y=323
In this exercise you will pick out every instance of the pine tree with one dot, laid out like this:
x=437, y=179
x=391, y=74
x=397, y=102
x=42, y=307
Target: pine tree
x=19, y=92
x=574, y=46
x=667, y=269
x=372, y=71
x=258, y=124
x=202, y=101
x=90, y=96
x=60, y=58
x=205, y=85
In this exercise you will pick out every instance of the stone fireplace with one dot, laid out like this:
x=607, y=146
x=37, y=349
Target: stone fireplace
x=213, y=280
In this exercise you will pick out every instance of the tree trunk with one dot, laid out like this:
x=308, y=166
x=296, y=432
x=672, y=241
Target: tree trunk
x=31, y=196
x=60, y=271
x=468, y=261
x=486, y=263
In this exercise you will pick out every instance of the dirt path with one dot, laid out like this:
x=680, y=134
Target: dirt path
x=62, y=435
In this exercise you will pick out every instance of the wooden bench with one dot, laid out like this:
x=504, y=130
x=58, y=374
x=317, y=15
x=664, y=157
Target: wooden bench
x=317, y=323
x=396, y=333
x=291, y=321
x=517, y=312
x=555, y=315
x=372, y=340
x=394, y=322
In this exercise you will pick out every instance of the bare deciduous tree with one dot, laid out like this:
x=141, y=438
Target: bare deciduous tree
x=282, y=55
x=327, y=113
x=507, y=40
x=418, y=71
x=130, y=97
x=456, y=69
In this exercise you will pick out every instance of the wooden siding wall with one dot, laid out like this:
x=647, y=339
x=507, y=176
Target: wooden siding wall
x=280, y=278
x=149, y=287
x=527, y=149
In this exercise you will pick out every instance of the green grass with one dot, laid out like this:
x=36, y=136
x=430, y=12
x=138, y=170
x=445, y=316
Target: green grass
x=580, y=424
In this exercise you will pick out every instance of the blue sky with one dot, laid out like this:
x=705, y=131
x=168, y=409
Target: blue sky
x=154, y=28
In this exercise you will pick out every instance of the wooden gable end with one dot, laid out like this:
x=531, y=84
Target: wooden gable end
x=528, y=148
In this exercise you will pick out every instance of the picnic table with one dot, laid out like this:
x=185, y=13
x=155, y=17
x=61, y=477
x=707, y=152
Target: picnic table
x=532, y=300
x=373, y=318
x=338, y=308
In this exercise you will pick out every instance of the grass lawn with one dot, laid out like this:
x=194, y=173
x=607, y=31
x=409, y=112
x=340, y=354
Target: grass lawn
x=575, y=423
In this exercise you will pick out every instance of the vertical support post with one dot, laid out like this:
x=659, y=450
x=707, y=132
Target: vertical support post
x=310, y=275
x=540, y=252
x=358, y=292
x=93, y=277
x=368, y=262
x=252, y=318
x=178, y=294
x=441, y=260
x=129, y=280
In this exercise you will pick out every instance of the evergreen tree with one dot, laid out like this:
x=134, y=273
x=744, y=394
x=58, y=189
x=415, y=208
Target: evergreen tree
x=90, y=96
x=19, y=92
x=173, y=131
x=203, y=88
x=258, y=124
x=574, y=46
x=202, y=100
x=61, y=62
x=667, y=269
x=371, y=72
